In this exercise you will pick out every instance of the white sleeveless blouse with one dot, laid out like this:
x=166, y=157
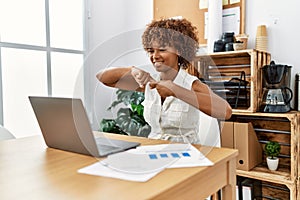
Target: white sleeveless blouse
x=176, y=120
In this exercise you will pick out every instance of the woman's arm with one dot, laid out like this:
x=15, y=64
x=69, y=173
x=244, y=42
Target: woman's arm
x=200, y=97
x=210, y=103
x=127, y=78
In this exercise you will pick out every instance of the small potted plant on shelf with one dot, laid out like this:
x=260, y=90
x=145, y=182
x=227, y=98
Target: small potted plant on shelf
x=272, y=150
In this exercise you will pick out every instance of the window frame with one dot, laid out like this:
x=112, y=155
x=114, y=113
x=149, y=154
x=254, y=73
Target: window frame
x=48, y=49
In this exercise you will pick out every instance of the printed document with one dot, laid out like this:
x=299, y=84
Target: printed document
x=145, y=162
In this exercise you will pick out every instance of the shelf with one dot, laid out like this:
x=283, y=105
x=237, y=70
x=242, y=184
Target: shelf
x=289, y=115
x=264, y=174
x=226, y=66
x=281, y=127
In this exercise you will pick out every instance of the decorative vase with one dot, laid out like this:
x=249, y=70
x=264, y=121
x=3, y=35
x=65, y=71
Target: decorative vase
x=272, y=163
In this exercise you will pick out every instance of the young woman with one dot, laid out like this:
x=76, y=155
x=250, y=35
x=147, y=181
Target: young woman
x=174, y=99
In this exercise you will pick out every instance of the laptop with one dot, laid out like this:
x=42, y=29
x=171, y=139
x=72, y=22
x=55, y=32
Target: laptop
x=65, y=126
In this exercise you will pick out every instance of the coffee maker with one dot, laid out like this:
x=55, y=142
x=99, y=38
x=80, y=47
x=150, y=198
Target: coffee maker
x=277, y=95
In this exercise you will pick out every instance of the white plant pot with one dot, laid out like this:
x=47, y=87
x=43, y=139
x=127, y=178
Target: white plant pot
x=272, y=163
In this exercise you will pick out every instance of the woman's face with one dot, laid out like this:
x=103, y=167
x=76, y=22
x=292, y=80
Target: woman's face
x=163, y=58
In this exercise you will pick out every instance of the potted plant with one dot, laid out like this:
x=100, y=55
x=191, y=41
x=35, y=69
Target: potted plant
x=129, y=120
x=272, y=150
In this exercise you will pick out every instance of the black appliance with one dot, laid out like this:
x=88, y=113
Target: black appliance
x=225, y=43
x=276, y=95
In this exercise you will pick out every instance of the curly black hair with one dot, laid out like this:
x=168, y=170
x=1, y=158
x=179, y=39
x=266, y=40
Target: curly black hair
x=177, y=33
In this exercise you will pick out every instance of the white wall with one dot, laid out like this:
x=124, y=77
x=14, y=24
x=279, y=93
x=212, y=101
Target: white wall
x=281, y=18
x=116, y=26
x=114, y=39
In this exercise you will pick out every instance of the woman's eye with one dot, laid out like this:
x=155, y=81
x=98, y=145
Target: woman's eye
x=150, y=51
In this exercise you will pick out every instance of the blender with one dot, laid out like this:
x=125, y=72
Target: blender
x=277, y=95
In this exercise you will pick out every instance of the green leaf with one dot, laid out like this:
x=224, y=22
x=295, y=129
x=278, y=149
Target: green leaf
x=138, y=108
x=144, y=131
x=110, y=126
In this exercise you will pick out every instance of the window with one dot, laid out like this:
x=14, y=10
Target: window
x=41, y=53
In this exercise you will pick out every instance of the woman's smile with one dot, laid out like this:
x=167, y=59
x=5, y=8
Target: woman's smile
x=157, y=63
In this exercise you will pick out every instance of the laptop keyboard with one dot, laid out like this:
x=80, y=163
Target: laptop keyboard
x=106, y=149
x=108, y=146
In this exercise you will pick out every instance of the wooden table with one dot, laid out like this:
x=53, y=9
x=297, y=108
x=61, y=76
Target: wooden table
x=30, y=170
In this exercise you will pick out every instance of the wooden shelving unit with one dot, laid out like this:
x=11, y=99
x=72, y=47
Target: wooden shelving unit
x=222, y=70
x=284, y=128
x=281, y=127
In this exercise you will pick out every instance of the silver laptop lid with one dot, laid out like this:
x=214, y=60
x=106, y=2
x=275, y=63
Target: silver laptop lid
x=64, y=124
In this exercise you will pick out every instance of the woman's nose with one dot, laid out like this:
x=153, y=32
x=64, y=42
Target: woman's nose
x=156, y=53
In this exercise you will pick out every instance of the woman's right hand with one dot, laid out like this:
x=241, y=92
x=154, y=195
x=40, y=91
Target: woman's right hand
x=141, y=77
